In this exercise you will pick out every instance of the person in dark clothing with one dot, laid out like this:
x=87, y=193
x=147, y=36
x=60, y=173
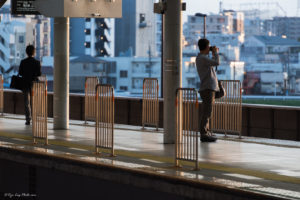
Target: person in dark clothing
x=29, y=69
x=208, y=86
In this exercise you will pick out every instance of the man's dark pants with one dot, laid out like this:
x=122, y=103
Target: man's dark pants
x=27, y=103
x=208, y=99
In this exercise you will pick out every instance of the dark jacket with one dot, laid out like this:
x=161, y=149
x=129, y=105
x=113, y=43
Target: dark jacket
x=29, y=69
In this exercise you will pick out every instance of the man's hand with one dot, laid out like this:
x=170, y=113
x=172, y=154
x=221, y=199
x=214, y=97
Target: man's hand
x=215, y=49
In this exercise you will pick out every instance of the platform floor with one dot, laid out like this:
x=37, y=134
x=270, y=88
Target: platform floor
x=254, y=164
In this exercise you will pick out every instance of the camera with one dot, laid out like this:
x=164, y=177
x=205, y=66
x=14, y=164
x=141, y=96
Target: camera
x=211, y=48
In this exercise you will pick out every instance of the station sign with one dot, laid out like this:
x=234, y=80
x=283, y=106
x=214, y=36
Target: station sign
x=23, y=7
x=80, y=8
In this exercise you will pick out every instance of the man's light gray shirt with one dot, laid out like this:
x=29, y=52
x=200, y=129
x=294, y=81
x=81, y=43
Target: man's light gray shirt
x=206, y=71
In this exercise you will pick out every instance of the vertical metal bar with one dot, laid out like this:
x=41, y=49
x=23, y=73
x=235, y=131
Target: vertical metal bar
x=153, y=102
x=233, y=106
x=102, y=133
x=97, y=118
x=46, y=113
x=196, y=129
x=181, y=139
x=190, y=123
x=41, y=110
x=226, y=108
x=240, y=109
x=143, y=106
x=177, y=128
x=102, y=102
x=110, y=115
x=105, y=116
x=38, y=109
x=144, y=102
x=96, y=126
x=157, y=103
x=182, y=123
x=184, y=126
x=85, y=100
x=236, y=106
x=1, y=95
x=113, y=121
x=33, y=112
x=187, y=124
x=148, y=102
x=100, y=116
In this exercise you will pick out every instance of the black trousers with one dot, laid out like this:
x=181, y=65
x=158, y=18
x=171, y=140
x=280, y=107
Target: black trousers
x=208, y=99
x=27, y=103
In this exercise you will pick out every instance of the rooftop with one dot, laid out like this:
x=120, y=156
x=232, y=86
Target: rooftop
x=275, y=40
x=86, y=59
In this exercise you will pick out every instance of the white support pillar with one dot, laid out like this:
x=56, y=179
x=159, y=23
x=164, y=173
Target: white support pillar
x=172, y=58
x=61, y=73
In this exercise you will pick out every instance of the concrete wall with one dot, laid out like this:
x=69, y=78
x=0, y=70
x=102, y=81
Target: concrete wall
x=258, y=120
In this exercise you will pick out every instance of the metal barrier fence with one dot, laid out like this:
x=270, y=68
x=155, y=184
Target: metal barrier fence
x=150, y=114
x=187, y=134
x=104, y=133
x=89, y=100
x=1, y=95
x=227, y=111
x=39, y=111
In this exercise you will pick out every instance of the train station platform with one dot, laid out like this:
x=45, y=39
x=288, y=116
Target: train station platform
x=231, y=168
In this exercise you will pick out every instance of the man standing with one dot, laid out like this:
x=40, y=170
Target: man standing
x=208, y=86
x=29, y=69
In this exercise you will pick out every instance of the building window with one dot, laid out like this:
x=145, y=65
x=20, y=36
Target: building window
x=87, y=31
x=87, y=45
x=112, y=81
x=123, y=74
x=85, y=66
x=111, y=67
x=21, y=39
x=148, y=68
x=142, y=18
x=191, y=82
x=124, y=88
x=221, y=20
x=222, y=71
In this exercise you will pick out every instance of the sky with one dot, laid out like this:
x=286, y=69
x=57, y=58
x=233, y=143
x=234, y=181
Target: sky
x=212, y=6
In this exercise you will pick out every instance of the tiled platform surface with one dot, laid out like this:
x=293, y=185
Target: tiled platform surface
x=270, y=167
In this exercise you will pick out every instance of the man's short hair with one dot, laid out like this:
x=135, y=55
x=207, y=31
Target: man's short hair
x=30, y=50
x=203, y=43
